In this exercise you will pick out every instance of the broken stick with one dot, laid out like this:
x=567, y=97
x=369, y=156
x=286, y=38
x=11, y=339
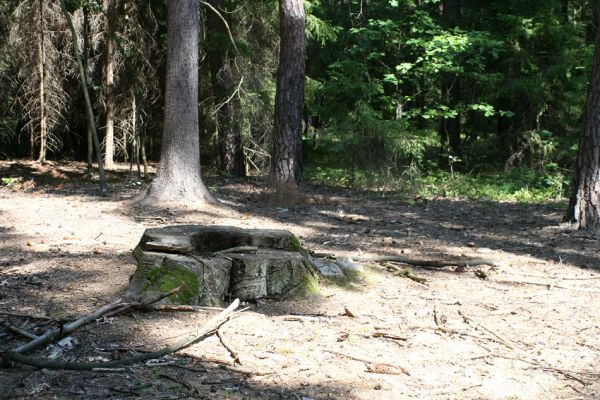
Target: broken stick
x=206, y=330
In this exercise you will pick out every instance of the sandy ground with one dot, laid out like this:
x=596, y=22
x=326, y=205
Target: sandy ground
x=528, y=329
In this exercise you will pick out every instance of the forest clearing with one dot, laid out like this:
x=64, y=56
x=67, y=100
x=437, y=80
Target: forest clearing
x=525, y=329
x=300, y=199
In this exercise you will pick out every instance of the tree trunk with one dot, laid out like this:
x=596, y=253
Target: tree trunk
x=86, y=95
x=109, y=134
x=178, y=177
x=286, y=166
x=450, y=127
x=42, y=87
x=86, y=56
x=584, y=204
x=231, y=151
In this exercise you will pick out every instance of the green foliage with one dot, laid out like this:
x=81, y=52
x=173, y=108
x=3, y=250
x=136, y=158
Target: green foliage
x=10, y=181
x=522, y=185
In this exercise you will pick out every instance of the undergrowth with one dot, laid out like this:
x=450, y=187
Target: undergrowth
x=523, y=185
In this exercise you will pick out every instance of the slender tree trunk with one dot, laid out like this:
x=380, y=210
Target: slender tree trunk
x=109, y=134
x=231, y=151
x=584, y=204
x=450, y=127
x=86, y=96
x=178, y=177
x=135, y=131
x=42, y=87
x=86, y=56
x=143, y=150
x=286, y=166
x=32, y=142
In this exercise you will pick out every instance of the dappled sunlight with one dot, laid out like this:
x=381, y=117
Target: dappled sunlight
x=519, y=328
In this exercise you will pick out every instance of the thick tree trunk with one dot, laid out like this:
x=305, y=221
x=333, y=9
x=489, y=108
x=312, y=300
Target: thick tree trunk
x=42, y=87
x=286, y=166
x=178, y=178
x=231, y=151
x=109, y=133
x=584, y=205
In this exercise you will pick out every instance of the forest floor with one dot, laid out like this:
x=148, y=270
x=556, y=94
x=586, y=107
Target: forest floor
x=527, y=329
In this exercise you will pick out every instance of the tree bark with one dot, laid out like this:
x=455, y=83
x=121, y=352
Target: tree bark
x=86, y=56
x=109, y=133
x=286, y=166
x=42, y=87
x=584, y=204
x=231, y=151
x=178, y=177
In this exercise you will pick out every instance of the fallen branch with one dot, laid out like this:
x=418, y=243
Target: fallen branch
x=18, y=331
x=476, y=325
x=427, y=263
x=416, y=262
x=116, y=307
x=208, y=329
x=546, y=285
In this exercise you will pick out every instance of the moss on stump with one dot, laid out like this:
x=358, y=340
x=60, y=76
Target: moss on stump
x=268, y=263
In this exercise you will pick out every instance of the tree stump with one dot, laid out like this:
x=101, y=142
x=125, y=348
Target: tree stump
x=218, y=263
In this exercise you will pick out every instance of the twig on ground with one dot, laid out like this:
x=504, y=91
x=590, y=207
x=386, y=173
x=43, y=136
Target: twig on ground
x=207, y=329
x=476, y=325
x=367, y=361
x=404, y=272
x=452, y=331
x=564, y=372
x=18, y=331
x=233, y=353
x=546, y=285
x=388, y=335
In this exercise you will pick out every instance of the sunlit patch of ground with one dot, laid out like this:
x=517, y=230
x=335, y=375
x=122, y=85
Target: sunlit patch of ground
x=529, y=331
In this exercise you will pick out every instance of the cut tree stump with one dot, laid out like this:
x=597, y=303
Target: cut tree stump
x=219, y=263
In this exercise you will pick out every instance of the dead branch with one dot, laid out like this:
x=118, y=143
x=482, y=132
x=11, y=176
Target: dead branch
x=546, y=285
x=116, y=307
x=233, y=353
x=388, y=335
x=427, y=263
x=476, y=325
x=413, y=261
x=207, y=329
x=18, y=331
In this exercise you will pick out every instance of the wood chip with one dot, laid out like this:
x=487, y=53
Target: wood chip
x=385, y=369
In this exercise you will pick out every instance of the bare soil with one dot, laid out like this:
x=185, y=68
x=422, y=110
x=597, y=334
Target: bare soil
x=529, y=329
